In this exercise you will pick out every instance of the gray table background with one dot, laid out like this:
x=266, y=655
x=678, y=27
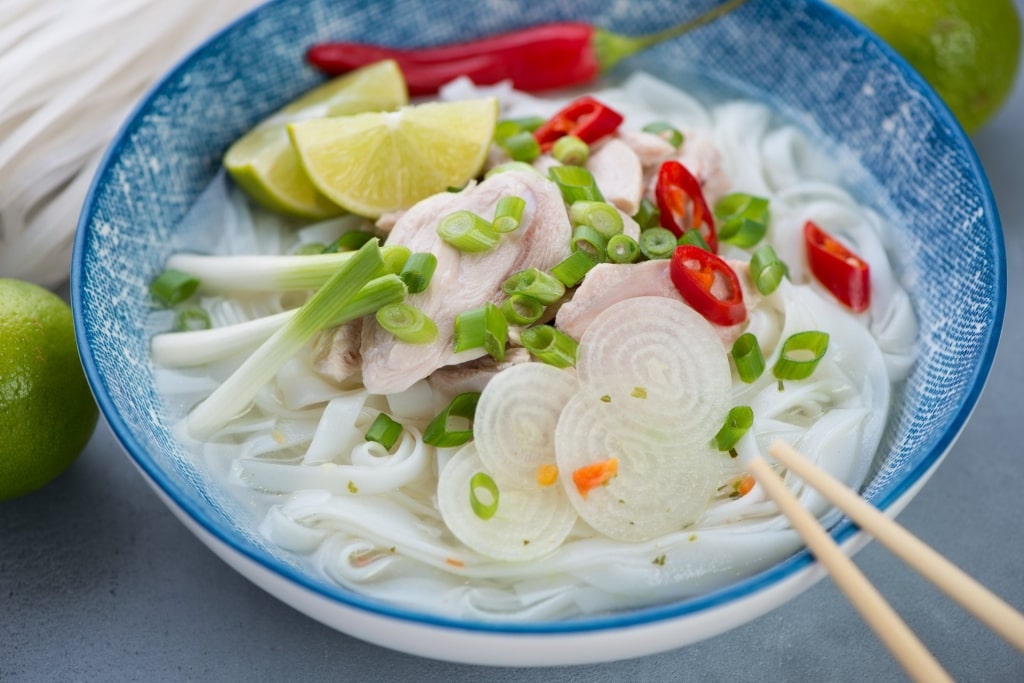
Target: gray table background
x=99, y=582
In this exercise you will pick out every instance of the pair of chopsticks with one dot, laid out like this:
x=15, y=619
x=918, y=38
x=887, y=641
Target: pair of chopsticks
x=905, y=647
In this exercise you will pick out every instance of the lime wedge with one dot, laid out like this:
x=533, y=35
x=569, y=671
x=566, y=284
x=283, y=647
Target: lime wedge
x=263, y=161
x=374, y=163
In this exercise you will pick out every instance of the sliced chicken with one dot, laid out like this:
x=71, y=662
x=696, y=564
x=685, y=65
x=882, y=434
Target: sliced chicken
x=336, y=351
x=616, y=169
x=610, y=283
x=464, y=281
x=473, y=375
x=651, y=149
x=701, y=157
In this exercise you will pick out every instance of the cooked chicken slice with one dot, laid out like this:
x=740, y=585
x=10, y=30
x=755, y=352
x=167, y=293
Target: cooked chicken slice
x=464, y=281
x=473, y=375
x=650, y=149
x=617, y=171
x=336, y=351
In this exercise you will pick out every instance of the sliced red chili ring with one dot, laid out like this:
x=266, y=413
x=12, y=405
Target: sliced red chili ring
x=585, y=118
x=843, y=273
x=708, y=285
x=682, y=205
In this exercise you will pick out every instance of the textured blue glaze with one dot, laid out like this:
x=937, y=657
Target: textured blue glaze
x=815, y=66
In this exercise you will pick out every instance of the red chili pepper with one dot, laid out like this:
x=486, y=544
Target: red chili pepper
x=708, y=285
x=682, y=205
x=544, y=57
x=841, y=271
x=585, y=118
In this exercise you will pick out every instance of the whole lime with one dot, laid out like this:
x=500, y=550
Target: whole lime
x=968, y=50
x=47, y=412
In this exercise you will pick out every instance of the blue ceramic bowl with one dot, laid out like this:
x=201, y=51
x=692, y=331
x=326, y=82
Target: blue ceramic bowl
x=803, y=57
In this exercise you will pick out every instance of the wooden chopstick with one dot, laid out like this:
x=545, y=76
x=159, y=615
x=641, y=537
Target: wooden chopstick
x=905, y=647
x=978, y=600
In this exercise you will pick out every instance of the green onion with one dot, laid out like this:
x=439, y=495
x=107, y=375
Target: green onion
x=571, y=270
x=576, y=183
x=739, y=420
x=407, y=323
x=349, y=241
x=384, y=431
x=192, y=319
x=172, y=287
x=570, y=150
x=746, y=353
x=742, y=218
x=466, y=231
x=521, y=146
x=520, y=309
x=622, y=249
x=550, y=345
x=322, y=310
x=395, y=258
x=508, y=213
x=648, y=215
x=766, y=269
x=666, y=131
x=601, y=216
x=506, y=128
x=512, y=166
x=800, y=355
x=589, y=240
x=311, y=248
x=657, y=243
x=417, y=271
x=483, y=481
x=482, y=327
x=440, y=431
x=535, y=284
x=693, y=238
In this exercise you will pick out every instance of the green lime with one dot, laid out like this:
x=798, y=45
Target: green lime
x=374, y=163
x=968, y=50
x=263, y=161
x=47, y=412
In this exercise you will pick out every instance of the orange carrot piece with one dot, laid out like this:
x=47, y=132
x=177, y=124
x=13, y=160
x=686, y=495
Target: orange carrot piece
x=547, y=474
x=589, y=477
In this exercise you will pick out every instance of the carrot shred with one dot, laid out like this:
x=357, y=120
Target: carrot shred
x=547, y=474
x=589, y=477
x=745, y=485
x=455, y=562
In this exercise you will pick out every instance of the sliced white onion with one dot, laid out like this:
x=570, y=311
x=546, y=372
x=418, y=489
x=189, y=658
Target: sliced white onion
x=528, y=523
x=514, y=425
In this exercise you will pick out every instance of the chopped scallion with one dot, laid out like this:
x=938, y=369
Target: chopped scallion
x=648, y=215
x=695, y=239
x=576, y=183
x=657, y=243
x=442, y=433
x=746, y=353
x=486, y=507
x=484, y=327
x=536, y=284
x=172, y=287
x=521, y=146
x=622, y=249
x=508, y=213
x=349, y=241
x=666, y=131
x=766, y=269
x=742, y=218
x=467, y=231
x=509, y=127
x=570, y=150
x=739, y=420
x=385, y=431
x=590, y=241
x=601, y=216
x=800, y=355
x=573, y=268
x=311, y=248
x=407, y=323
x=520, y=309
x=418, y=270
x=512, y=166
x=550, y=345
x=191, y=319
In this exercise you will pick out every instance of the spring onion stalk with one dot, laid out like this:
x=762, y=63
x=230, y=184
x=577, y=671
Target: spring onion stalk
x=550, y=345
x=601, y=216
x=467, y=231
x=622, y=249
x=739, y=420
x=483, y=508
x=395, y=257
x=506, y=128
x=385, y=431
x=508, y=213
x=693, y=238
x=418, y=270
x=199, y=347
x=264, y=273
x=484, y=327
x=800, y=355
x=647, y=215
x=576, y=183
x=521, y=146
x=742, y=218
x=766, y=269
x=192, y=318
x=512, y=166
x=536, y=284
x=349, y=241
x=442, y=432
x=590, y=241
x=324, y=309
x=570, y=150
x=312, y=248
x=172, y=287
x=407, y=323
x=571, y=270
x=666, y=131
x=520, y=309
x=747, y=355
x=657, y=243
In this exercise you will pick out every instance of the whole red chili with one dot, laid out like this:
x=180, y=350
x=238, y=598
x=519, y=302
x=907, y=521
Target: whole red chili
x=841, y=271
x=544, y=57
x=708, y=285
x=585, y=118
x=682, y=205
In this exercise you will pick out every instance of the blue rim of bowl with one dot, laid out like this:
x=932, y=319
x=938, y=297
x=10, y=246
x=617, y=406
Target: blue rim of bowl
x=843, y=531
